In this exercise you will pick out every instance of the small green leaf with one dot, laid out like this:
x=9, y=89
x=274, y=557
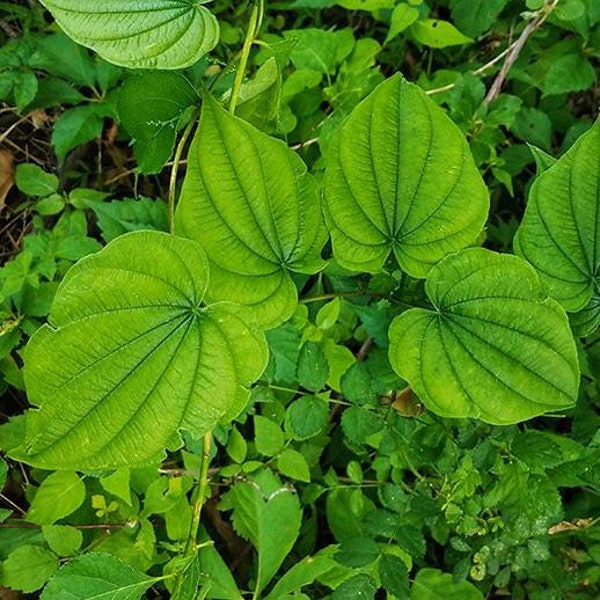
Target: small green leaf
x=237, y=448
x=263, y=225
x=313, y=369
x=269, y=516
x=328, y=314
x=396, y=181
x=150, y=107
x=560, y=232
x=474, y=17
x=268, y=436
x=121, y=216
x=403, y=16
x=158, y=34
x=358, y=424
x=131, y=355
x=307, y=417
x=431, y=584
x=33, y=181
x=28, y=568
x=97, y=576
x=360, y=586
x=569, y=73
x=63, y=540
x=59, y=495
x=438, y=34
x=117, y=484
x=394, y=575
x=357, y=552
x=293, y=464
x=50, y=205
x=77, y=126
x=493, y=347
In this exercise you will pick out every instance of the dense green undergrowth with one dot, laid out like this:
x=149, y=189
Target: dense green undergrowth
x=312, y=292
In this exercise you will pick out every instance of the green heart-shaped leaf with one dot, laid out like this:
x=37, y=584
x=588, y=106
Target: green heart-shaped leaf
x=154, y=34
x=248, y=200
x=131, y=356
x=560, y=232
x=401, y=179
x=494, y=347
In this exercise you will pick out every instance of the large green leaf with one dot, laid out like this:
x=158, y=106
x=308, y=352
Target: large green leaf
x=97, y=576
x=401, y=179
x=249, y=202
x=131, y=356
x=154, y=34
x=493, y=347
x=560, y=232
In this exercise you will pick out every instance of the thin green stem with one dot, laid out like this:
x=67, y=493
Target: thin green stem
x=253, y=27
x=192, y=546
x=175, y=169
x=202, y=487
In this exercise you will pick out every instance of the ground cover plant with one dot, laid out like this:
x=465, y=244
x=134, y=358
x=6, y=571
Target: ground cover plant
x=300, y=299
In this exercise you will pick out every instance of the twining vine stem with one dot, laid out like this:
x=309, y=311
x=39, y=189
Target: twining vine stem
x=253, y=27
x=175, y=169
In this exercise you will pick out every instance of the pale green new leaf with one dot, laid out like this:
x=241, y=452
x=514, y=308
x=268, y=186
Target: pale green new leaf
x=432, y=584
x=154, y=34
x=131, y=355
x=493, y=347
x=248, y=200
x=97, y=576
x=560, y=232
x=401, y=179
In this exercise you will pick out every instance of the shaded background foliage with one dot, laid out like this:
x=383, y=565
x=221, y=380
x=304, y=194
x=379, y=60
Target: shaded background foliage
x=388, y=497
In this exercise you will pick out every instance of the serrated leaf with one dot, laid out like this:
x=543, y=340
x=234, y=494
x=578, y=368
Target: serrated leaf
x=357, y=552
x=131, y=355
x=95, y=576
x=268, y=436
x=157, y=34
x=394, y=575
x=494, y=346
x=59, y=495
x=28, y=568
x=360, y=586
x=121, y=216
x=150, y=107
x=292, y=463
x=271, y=522
x=358, y=424
x=313, y=369
x=560, y=232
x=265, y=223
x=307, y=417
x=432, y=584
x=397, y=179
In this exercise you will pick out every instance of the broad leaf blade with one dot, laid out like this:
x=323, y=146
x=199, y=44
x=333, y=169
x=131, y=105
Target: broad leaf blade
x=131, y=356
x=96, y=576
x=154, y=34
x=401, y=179
x=560, y=232
x=249, y=202
x=495, y=347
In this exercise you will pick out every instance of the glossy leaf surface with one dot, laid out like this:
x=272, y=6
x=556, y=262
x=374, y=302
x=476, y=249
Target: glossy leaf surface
x=493, y=347
x=131, y=356
x=560, y=232
x=249, y=202
x=154, y=34
x=401, y=179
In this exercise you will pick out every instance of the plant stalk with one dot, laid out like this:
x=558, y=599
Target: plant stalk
x=253, y=27
x=175, y=170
